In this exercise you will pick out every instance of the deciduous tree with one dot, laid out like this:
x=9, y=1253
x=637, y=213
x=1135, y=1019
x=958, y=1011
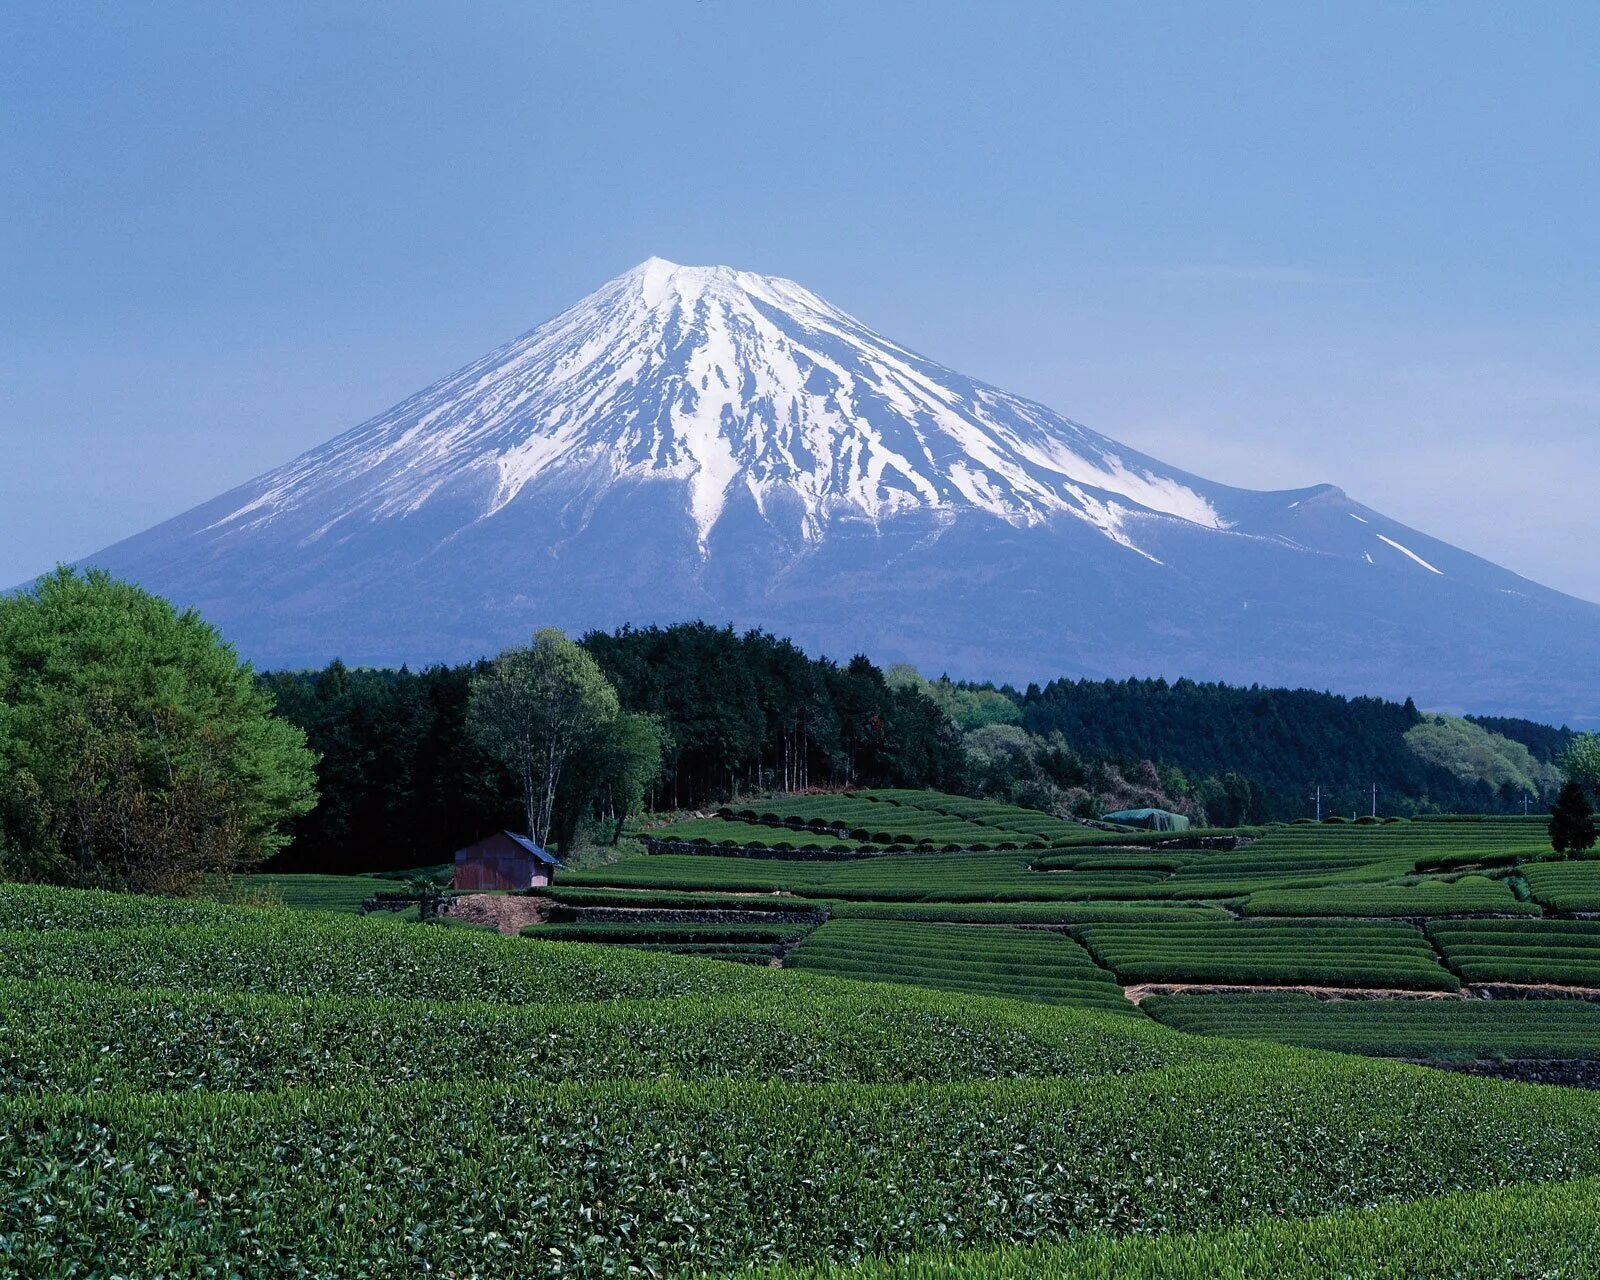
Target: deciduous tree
x=136, y=750
x=536, y=708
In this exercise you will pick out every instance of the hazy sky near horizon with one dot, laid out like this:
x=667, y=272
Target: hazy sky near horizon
x=1276, y=245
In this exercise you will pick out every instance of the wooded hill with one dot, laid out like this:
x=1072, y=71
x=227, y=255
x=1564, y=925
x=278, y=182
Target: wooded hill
x=403, y=782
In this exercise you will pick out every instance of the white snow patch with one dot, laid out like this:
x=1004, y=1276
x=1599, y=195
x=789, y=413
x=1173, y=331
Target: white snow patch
x=1407, y=551
x=1354, y=516
x=723, y=378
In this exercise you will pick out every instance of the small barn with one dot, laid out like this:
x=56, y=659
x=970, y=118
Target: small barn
x=1149, y=819
x=504, y=860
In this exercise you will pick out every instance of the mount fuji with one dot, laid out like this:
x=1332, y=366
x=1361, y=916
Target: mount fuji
x=703, y=442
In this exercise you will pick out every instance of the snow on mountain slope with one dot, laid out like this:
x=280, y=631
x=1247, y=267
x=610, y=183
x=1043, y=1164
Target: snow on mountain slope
x=703, y=442
x=722, y=379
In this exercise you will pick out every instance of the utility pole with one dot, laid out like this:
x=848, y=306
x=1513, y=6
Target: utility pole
x=1318, y=795
x=1374, y=799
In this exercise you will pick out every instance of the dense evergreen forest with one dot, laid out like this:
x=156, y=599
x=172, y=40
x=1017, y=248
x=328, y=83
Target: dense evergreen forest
x=1287, y=742
x=403, y=782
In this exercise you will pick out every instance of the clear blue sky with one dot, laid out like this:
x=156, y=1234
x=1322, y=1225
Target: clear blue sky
x=1277, y=244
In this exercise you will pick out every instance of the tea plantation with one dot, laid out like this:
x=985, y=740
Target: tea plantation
x=1082, y=1055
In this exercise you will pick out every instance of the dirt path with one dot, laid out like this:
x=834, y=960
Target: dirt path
x=1139, y=992
x=1532, y=990
x=505, y=912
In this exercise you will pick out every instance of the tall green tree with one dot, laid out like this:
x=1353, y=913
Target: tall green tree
x=610, y=778
x=136, y=750
x=536, y=708
x=1580, y=762
x=1572, y=826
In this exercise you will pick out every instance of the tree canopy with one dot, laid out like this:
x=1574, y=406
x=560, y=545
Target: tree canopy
x=535, y=709
x=136, y=750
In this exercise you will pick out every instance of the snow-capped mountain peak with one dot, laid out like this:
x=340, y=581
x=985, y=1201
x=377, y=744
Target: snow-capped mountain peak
x=721, y=380
x=700, y=442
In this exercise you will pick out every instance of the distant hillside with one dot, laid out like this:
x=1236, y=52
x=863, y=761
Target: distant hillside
x=1285, y=741
x=746, y=714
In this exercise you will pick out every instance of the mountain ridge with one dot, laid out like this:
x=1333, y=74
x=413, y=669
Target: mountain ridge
x=692, y=441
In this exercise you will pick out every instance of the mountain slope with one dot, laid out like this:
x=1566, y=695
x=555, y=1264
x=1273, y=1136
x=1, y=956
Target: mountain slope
x=695, y=441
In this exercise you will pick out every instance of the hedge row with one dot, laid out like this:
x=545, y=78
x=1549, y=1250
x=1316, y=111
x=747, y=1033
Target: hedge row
x=590, y=1180
x=667, y=931
x=1561, y=952
x=309, y=955
x=1023, y=912
x=1281, y=952
x=667, y=900
x=78, y=1037
x=1549, y=1231
x=1020, y=963
x=1425, y=1028
x=1469, y=895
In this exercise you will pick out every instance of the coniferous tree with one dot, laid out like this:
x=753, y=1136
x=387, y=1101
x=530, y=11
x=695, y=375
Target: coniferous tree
x=1572, y=826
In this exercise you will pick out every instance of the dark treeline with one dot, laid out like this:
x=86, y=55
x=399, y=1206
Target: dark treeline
x=1545, y=741
x=403, y=783
x=752, y=713
x=1285, y=741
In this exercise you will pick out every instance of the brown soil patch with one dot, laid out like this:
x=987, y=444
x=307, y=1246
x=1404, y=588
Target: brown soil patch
x=506, y=912
x=1531, y=991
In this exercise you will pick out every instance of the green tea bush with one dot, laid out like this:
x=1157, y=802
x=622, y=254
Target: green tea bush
x=668, y=931
x=30, y=907
x=1423, y=1028
x=1270, y=952
x=1024, y=964
x=1469, y=895
x=314, y=955
x=1546, y=1232
x=83, y=1037
x=663, y=1177
x=1559, y=952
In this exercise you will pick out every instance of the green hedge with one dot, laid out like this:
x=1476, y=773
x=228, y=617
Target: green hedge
x=667, y=931
x=1543, y=1232
x=291, y=954
x=28, y=906
x=79, y=1037
x=1271, y=952
x=590, y=1180
x=1427, y=1028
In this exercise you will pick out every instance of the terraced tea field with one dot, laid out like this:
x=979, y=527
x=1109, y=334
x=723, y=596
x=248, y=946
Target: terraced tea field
x=1559, y=952
x=1337, y=953
x=942, y=1019
x=196, y=1090
x=1023, y=964
x=1565, y=886
x=1350, y=906
x=1431, y=1029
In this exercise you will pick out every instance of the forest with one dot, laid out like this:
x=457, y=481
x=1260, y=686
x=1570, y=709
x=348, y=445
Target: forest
x=403, y=780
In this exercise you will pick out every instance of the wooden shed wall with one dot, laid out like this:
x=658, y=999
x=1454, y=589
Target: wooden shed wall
x=500, y=871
